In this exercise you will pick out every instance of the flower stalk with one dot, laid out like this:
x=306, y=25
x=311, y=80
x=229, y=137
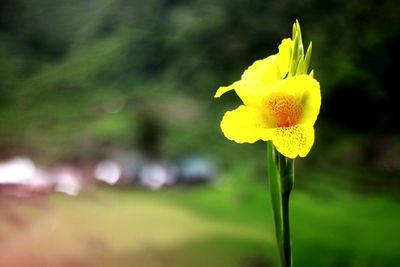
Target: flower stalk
x=280, y=167
x=281, y=180
x=281, y=101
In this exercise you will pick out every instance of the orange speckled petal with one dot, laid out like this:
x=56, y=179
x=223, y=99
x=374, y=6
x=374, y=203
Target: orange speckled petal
x=304, y=89
x=294, y=141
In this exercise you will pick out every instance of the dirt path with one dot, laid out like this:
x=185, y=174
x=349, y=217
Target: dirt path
x=80, y=232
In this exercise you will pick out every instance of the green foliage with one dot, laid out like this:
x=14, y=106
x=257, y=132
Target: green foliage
x=325, y=220
x=63, y=64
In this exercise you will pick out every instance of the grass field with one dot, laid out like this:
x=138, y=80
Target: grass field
x=226, y=224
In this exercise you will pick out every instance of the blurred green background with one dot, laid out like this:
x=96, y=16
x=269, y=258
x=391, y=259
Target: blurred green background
x=82, y=79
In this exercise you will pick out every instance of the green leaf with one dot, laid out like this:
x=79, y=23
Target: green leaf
x=298, y=33
x=307, y=58
x=293, y=61
x=300, y=67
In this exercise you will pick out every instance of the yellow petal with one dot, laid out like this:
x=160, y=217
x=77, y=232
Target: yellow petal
x=261, y=73
x=222, y=90
x=248, y=91
x=254, y=82
x=245, y=125
x=284, y=56
x=294, y=141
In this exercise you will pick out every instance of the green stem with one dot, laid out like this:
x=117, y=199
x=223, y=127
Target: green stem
x=281, y=180
x=287, y=243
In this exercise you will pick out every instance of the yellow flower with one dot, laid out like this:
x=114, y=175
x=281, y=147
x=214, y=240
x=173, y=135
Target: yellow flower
x=276, y=107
